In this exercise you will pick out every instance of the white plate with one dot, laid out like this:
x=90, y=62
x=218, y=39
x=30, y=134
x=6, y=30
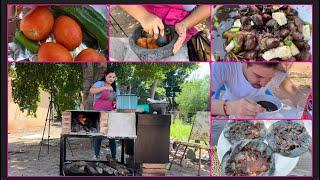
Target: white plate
x=283, y=165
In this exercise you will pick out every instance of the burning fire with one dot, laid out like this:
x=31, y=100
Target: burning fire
x=82, y=119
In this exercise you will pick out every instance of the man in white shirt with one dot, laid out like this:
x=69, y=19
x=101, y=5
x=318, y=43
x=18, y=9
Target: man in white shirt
x=242, y=82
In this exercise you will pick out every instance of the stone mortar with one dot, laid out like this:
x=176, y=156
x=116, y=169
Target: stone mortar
x=151, y=54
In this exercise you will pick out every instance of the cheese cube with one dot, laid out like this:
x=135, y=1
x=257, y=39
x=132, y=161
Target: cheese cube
x=279, y=52
x=276, y=7
x=306, y=32
x=280, y=17
x=294, y=50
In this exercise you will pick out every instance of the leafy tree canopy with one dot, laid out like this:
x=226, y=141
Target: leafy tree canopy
x=194, y=96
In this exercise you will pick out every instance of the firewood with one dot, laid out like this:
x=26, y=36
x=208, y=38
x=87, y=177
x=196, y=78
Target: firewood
x=76, y=167
x=91, y=170
x=99, y=170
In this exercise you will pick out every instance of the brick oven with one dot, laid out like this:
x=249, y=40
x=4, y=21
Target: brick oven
x=84, y=122
x=90, y=124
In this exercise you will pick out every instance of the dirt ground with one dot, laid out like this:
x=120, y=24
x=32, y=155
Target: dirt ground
x=23, y=148
x=128, y=24
x=301, y=75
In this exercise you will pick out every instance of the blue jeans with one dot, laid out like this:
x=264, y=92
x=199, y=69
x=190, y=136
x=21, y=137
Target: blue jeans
x=97, y=146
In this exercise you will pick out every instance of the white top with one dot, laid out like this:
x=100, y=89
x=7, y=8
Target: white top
x=237, y=86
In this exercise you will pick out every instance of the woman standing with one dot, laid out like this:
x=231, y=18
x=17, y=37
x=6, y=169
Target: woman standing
x=105, y=91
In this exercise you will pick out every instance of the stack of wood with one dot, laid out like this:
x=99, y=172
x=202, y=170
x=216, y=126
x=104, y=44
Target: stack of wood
x=149, y=169
x=82, y=168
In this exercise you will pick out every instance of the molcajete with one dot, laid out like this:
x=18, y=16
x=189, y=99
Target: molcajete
x=152, y=54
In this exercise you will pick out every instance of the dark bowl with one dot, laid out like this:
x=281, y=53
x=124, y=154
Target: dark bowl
x=152, y=54
x=160, y=108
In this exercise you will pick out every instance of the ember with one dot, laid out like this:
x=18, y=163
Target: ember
x=82, y=123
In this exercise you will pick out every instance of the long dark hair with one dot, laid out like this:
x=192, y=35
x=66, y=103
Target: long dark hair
x=105, y=73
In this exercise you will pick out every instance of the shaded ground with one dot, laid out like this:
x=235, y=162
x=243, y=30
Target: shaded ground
x=23, y=148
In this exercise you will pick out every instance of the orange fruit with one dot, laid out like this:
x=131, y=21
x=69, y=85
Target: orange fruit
x=53, y=52
x=37, y=24
x=67, y=32
x=89, y=55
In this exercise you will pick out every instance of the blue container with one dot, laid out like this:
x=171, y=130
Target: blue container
x=145, y=107
x=127, y=101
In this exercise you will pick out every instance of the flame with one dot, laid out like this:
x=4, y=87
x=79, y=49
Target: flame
x=82, y=119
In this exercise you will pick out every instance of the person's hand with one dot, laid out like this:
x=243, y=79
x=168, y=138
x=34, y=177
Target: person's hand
x=114, y=105
x=243, y=107
x=153, y=25
x=181, y=29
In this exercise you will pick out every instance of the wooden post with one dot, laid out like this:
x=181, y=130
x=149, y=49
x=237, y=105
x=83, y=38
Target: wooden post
x=199, y=162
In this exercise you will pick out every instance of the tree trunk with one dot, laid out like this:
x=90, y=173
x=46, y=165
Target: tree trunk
x=87, y=98
x=153, y=88
x=91, y=73
x=101, y=67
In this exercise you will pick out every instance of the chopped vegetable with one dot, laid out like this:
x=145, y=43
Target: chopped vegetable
x=216, y=25
x=237, y=23
x=215, y=18
x=230, y=46
x=287, y=42
x=266, y=31
x=235, y=29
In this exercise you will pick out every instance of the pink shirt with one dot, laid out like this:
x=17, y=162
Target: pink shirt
x=103, y=103
x=171, y=15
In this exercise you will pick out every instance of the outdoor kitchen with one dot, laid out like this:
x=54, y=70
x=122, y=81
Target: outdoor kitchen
x=139, y=134
x=145, y=128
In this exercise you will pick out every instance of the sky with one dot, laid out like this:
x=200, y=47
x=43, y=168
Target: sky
x=203, y=70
